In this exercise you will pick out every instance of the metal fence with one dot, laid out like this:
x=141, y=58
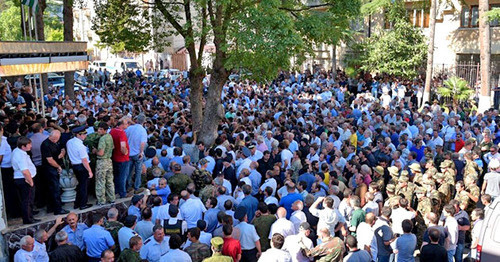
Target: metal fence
x=470, y=71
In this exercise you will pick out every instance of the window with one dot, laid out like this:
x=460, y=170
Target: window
x=469, y=17
x=419, y=17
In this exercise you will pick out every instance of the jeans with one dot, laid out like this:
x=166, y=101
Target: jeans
x=382, y=258
x=451, y=253
x=135, y=171
x=459, y=252
x=121, y=170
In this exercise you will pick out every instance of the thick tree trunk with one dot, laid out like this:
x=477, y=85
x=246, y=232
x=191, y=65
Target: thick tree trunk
x=69, y=77
x=41, y=37
x=214, y=111
x=485, y=53
x=196, y=99
x=430, y=53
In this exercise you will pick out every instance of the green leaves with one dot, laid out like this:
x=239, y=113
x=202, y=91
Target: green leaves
x=123, y=25
x=400, y=51
x=456, y=88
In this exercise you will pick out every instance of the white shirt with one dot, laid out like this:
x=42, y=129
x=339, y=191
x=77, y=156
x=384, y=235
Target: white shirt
x=364, y=234
x=275, y=255
x=452, y=225
x=40, y=252
x=397, y=216
x=175, y=255
x=20, y=162
x=327, y=218
x=6, y=152
x=283, y=227
x=271, y=200
x=297, y=218
x=271, y=182
x=163, y=213
x=371, y=206
x=77, y=151
x=286, y=156
x=24, y=256
x=192, y=210
x=291, y=245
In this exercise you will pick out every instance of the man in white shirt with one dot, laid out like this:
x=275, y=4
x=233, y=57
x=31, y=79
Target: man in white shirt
x=295, y=250
x=137, y=139
x=25, y=253
x=276, y=253
x=80, y=161
x=282, y=226
x=399, y=214
x=365, y=235
x=451, y=225
x=298, y=216
x=24, y=172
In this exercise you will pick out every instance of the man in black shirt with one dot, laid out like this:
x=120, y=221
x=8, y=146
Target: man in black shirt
x=65, y=252
x=433, y=251
x=52, y=156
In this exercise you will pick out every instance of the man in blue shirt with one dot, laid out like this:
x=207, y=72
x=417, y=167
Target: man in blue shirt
x=309, y=179
x=135, y=207
x=249, y=202
x=291, y=197
x=75, y=230
x=97, y=239
x=127, y=232
x=155, y=246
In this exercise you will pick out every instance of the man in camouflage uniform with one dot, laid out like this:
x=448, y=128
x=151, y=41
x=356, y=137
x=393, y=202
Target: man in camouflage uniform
x=461, y=195
x=447, y=168
x=378, y=177
x=416, y=170
x=199, y=175
x=439, y=156
x=104, y=185
x=131, y=254
x=424, y=206
x=112, y=225
x=178, y=181
x=92, y=141
x=405, y=188
x=437, y=205
x=443, y=188
x=472, y=190
x=430, y=168
x=392, y=199
x=394, y=173
x=197, y=250
x=331, y=248
x=471, y=167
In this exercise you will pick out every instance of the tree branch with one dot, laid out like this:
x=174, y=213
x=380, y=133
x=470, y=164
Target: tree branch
x=203, y=38
x=306, y=8
x=170, y=18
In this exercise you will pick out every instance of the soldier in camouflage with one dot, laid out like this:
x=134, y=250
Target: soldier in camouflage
x=199, y=176
x=443, y=188
x=112, y=225
x=461, y=195
x=394, y=173
x=405, y=188
x=378, y=177
x=104, y=186
x=331, y=248
x=392, y=198
x=416, y=170
x=131, y=254
x=178, y=181
x=448, y=170
x=423, y=208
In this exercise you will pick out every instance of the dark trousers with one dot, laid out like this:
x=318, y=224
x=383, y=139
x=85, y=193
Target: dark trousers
x=27, y=194
x=52, y=177
x=12, y=199
x=249, y=255
x=82, y=175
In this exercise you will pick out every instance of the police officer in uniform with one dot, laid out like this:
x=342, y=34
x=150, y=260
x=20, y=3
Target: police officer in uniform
x=155, y=246
x=79, y=158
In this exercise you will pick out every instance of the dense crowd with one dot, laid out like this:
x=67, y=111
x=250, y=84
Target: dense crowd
x=315, y=166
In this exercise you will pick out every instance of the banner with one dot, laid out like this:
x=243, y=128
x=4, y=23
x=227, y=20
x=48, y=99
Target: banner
x=31, y=3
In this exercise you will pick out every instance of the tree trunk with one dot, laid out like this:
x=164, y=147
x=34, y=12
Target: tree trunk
x=334, y=60
x=69, y=77
x=196, y=99
x=485, y=53
x=41, y=37
x=214, y=111
x=430, y=53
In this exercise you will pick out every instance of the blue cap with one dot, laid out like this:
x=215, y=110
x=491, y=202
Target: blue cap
x=78, y=130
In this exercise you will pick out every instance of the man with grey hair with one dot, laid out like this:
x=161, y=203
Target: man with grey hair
x=137, y=138
x=64, y=251
x=41, y=236
x=112, y=225
x=25, y=253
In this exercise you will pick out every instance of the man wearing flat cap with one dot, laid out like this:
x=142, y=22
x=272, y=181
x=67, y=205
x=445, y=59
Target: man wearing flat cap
x=80, y=162
x=217, y=243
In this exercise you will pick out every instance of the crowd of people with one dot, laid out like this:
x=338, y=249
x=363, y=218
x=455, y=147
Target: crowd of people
x=315, y=166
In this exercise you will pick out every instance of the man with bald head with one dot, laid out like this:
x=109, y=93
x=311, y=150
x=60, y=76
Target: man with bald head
x=52, y=155
x=282, y=226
